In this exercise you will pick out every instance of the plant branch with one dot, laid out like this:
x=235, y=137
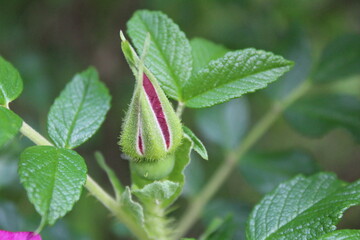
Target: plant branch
x=197, y=205
x=93, y=187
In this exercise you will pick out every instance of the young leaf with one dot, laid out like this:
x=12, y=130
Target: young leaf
x=342, y=235
x=230, y=119
x=169, y=55
x=11, y=84
x=233, y=75
x=53, y=178
x=198, y=146
x=156, y=192
x=79, y=110
x=10, y=124
x=115, y=182
x=340, y=59
x=265, y=171
x=203, y=51
x=302, y=208
x=315, y=116
x=133, y=208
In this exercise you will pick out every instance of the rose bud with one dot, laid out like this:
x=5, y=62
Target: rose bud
x=151, y=130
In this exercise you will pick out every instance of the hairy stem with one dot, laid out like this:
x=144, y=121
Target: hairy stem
x=93, y=187
x=197, y=205
x=156, y=222
x=180, y=109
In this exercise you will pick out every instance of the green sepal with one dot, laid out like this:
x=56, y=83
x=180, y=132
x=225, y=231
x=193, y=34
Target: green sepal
x=155, y=170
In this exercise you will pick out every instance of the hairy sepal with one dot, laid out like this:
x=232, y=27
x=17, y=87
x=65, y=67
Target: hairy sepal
x=159, y=137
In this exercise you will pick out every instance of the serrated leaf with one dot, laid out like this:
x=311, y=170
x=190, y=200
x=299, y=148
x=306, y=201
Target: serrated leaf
x=198, y=146
x=340, y=59
x=230, y=119
x=169, y=55
x=156, y=192
x=316, y=116
x=302, y=208
x=10, y=124
x=237, y=73
x=342, y=235
x=134, y=209
x=203, y=51
x=79, y=110
x=11, y=84
x=266, y=170
x=53, y=178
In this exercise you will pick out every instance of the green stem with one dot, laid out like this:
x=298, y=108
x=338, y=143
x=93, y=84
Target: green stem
x=93, y=187
x=197, y=205
x=180, y=109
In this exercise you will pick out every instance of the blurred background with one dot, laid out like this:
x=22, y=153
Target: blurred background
x=49, y=41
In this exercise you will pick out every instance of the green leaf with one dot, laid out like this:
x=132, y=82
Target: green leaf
x=203, y=51
x=79, y=110
x=342, y=235
x=198, y=146
x=11, y=84
x=10, y=124
x=53, y=178
x=317, y=115
x=233, y=75
x=340, y=59
x=156, y=192
x=302, y=208
x=134, y=209
x=115, y=182
x=169, y=56
x=225, y=124
x=265, y=171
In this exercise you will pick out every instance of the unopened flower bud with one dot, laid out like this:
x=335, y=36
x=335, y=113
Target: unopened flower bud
x=151, y=129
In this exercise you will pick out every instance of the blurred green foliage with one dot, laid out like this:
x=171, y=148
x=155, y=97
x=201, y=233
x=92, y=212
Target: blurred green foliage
x=49, y=41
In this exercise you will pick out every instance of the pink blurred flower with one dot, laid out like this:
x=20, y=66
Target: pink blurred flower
x=5, y=235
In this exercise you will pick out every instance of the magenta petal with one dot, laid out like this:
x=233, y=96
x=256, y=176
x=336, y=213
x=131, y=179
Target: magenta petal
x=5, y=235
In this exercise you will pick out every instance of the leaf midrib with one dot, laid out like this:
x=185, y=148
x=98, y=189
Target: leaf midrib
x=72, y=126
x=56, y=160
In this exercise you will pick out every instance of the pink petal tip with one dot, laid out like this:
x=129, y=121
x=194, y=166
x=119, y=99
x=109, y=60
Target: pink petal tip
x=5, y=235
